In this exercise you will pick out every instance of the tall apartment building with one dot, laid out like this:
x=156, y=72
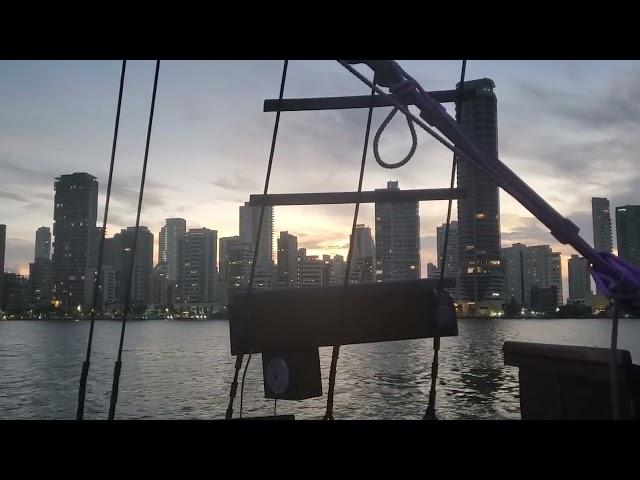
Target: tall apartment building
x=601, y=217
x=310, y=270
x=235, y=266
x=142, y=264
x=363, y=258
x=451, y=264
x=287, y=260
x=480, y=280
x=41, y=281
x=579, y=280
x=43, y=243
x=265, y=271
x=528, y=268
x=397, y=243
x=76, y=238
x=628, y=233
x=200, y=270
x=171, y=253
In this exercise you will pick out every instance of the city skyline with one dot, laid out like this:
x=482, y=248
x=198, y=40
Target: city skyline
x=194, y=171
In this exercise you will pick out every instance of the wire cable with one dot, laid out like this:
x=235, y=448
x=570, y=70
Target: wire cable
x=97, y=281
x=430, y=413
x=127, y=303
x=234, y=384
x=336, y=348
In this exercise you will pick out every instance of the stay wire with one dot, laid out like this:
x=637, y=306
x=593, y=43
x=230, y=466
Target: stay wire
x=234, y=384
x=127, y=303
x=336, y=348
x=430, y=413
x=97, y=280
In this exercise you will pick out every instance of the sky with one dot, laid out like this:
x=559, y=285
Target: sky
x=567, y=128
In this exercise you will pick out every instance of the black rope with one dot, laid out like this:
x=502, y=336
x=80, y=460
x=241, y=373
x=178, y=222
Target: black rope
x=430, y=413
x=376, y=140
x=336, y=349
x=613, y=364
x=127, y=303
x=244, y=375
x=234, y=384
x=97, y=284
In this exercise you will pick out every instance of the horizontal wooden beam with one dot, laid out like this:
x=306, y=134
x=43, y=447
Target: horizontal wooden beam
x=301, y=318
x=357, y=101
x=374, y=196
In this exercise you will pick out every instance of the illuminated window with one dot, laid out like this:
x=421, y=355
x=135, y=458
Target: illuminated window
x=479, y=215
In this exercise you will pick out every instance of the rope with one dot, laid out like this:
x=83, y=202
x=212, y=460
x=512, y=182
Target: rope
x=430, y=413
x=127, y=303
x=336, y=349
x=234, y=384
x=376, y=140
x=613, y=364
x=96, y=288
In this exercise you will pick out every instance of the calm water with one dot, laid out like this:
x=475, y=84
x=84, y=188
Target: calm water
x=182, y=370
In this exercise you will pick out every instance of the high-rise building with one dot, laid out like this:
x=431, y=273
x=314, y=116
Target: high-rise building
x=480, y=279
x=108, y=296
x=335, y=271
x=516, y=278
x=363, y=257
x=3, y=241
x=160, y=290
x=249, y=222
x=310, y=270
x=397, y=244
x=363, y=244
x=579, y=280
x=544, y=299
x=235, y=266
x=601, y=216
x=16, y=295
x=628, y=233
x=287, y=260
x=432, y=271
x=75, y=236
x=545, y=270
x=43, y=243
x=526, y=268
x=41, y=281
x=451, y=266
x=200, y=270
x=265, y=271
x=170, y=246
x=142, y=265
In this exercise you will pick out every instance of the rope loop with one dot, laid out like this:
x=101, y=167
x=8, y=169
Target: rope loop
x=404, y=89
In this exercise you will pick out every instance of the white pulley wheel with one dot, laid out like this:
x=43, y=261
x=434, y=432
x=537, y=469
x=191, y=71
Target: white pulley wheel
x=278, y=375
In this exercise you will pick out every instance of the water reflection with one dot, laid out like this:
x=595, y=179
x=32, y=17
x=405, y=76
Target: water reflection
x=182, y=369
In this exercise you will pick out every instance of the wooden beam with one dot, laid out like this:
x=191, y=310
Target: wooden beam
x=357, y=101
x=375, y=196
x=301, y=318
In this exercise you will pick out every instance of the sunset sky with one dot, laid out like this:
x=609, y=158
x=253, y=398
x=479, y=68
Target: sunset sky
x=568, y=128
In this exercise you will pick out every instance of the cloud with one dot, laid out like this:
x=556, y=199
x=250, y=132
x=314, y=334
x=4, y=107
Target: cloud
x=236, y=181
x=13, y=196
x=616, y=104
